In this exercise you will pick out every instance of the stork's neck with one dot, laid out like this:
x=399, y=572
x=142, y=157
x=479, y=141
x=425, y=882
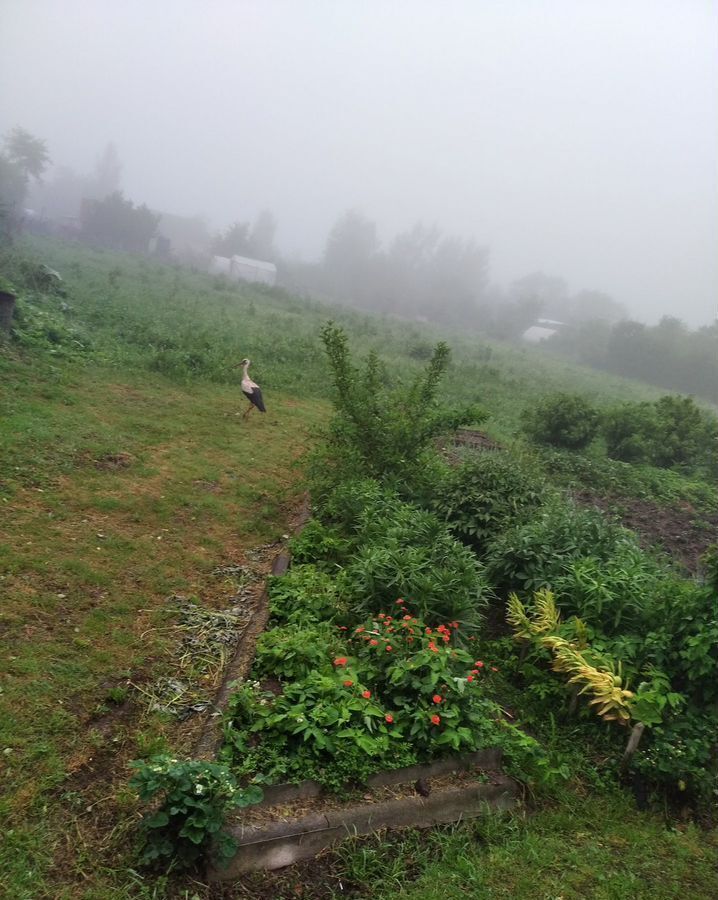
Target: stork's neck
x=245, y=373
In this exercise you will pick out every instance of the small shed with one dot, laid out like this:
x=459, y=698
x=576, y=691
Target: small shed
x=245, y=269
x=220, y=265
x=541, y=331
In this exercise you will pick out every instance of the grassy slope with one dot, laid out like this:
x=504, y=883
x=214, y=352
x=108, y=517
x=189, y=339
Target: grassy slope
x=120, y=486
x=117, y=491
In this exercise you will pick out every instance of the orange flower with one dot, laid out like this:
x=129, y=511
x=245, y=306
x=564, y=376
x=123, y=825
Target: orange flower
x=373, y=642
x=366, y=694
x=433, y=647
x=340, y=661
x=389, y=718
x=469, y=677
x=479, y=664
x=437, y=698
x=388, y=648
x=435, y=720
x=348, y=683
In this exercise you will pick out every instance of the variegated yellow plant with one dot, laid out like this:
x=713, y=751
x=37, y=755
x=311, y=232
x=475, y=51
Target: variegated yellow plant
x=611, y=699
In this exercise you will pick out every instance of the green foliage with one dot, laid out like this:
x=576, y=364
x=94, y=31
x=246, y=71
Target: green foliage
x=404, y=551
x=611, y=477
x=670, y=432
x=190, y=800
x=381, y=431
x=628, y=430
x=304, y=595
x=680, y=752
x=533, y=554
x=291, y=652
x=397, y=682
x=485, y=494
x=320, y=544
x=562, y=420
x=618, y=591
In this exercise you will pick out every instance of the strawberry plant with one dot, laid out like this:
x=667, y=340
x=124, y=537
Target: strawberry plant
x=190, y=799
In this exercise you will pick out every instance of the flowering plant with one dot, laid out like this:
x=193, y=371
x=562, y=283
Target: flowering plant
x=428, y=683
x=194, y=797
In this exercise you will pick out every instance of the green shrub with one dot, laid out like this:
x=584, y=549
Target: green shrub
x=194, y=797
x=616, y=594
x=290, y=652
x=562, y=420
x=670, y=432
x=318, y=544
x=401, y=691
x=628, y=431
x=303, y=596
x=531, y=555
x=485, y=494
x=403, y=551
x=381, y=430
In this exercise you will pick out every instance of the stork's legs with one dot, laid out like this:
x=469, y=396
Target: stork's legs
x=249, y=410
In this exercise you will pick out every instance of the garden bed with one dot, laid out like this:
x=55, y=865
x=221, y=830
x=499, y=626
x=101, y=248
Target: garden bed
x=297, y=822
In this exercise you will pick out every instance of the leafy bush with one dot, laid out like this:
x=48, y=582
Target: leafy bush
x=562, y=420
x=319, y=544
x=402, y=550
x=531, y=555
x=628, y=431
x=290, y=652
x=397, y=682
x=616, y=593
x=622, y=479
x=483, y=495
x=194, y=797
x=303, y=596
x=670, y=432
x=382, y=431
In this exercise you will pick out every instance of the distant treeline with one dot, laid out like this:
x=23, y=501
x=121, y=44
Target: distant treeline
x=667, y=354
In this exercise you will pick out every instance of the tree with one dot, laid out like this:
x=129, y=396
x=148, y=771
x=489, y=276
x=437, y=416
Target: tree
x=234, y=242
x=261, y=238
x=27, y=152
x=24, y=157
x=118, y=223
x=349, y=256
x=107, y=172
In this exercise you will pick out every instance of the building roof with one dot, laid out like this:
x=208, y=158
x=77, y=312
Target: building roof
x=256, y=263
x=537, y=333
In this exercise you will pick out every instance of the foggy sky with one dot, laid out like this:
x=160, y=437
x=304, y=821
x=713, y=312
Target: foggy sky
x=576, y=137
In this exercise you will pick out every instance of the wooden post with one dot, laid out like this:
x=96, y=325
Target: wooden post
x=631, y=746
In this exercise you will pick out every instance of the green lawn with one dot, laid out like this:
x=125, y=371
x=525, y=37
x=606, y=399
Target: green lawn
x=116, y=493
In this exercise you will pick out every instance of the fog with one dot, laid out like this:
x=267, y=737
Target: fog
x=579, y=139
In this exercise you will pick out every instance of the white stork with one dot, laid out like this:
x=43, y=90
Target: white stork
x=251, y=390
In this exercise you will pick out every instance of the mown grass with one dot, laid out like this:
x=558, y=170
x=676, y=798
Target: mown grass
x=125, y=477
x=116, y=493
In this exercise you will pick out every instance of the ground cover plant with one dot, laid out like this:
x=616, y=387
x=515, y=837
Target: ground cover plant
x=125, y=480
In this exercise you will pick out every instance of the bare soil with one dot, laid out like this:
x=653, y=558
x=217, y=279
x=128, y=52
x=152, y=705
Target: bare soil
x=679, y=531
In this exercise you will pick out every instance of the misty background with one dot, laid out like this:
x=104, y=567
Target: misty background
x=577, y=140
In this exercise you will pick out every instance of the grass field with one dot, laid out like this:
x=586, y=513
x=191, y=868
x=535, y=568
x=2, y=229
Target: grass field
x=126, y=477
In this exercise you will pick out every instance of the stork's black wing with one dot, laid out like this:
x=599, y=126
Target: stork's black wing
x=256, y=398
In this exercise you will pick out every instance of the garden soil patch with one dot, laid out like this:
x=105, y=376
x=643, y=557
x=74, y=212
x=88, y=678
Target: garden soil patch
x=680, y=531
